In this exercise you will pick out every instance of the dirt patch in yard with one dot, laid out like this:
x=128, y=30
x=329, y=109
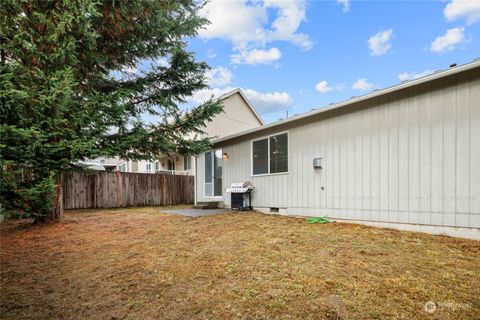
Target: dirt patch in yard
x=142, y=264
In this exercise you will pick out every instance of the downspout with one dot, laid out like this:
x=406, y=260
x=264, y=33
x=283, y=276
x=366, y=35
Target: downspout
x=195, y=182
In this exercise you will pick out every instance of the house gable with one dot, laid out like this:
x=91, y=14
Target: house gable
x=238, y=115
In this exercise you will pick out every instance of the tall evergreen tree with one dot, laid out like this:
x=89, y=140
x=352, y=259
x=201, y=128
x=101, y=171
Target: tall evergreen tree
x=62, y=99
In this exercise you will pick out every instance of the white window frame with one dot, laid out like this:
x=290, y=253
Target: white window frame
x=122, y=167
x=173, y=164
x=187, y=160
x=213, y=186
x=268, y=150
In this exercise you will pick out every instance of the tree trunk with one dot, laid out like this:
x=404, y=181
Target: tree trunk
x=56, y=213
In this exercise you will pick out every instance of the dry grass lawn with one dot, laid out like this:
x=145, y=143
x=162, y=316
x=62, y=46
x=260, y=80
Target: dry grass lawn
x=142, y=264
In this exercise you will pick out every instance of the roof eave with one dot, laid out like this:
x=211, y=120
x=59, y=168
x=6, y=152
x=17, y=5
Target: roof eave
x=240, y=92
x=374, y=94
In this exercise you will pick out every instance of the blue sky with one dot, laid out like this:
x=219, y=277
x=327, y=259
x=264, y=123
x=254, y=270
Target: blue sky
x=299, y=55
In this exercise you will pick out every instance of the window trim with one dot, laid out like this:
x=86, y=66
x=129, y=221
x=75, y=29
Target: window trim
x=123, y=166
x=187, y=162
x=268, y=149
x=268, y=156
x=204, y=179
x=213, y=196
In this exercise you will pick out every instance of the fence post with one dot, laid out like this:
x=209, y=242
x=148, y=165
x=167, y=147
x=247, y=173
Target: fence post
x=117, y=173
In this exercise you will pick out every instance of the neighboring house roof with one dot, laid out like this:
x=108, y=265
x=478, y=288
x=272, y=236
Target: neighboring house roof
x=239, y=115
x=376, y=93
x=240, y=92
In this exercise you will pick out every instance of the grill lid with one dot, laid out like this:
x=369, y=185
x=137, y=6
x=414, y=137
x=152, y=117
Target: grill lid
x=240, y=187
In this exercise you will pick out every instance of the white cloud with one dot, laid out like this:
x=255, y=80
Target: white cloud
x=235, y=21
x=256, y=56
x=252, y=25
x=161, y=61
x=264, y=103
x=463, y=9
x=269, y=102
x=362, y=84
x=219, y=76
x=379, y=43
x=130, y=70
x=205, y=94
x=211, y=53
x=323, y=87
x=413, y=75
x=290, y=14
x=345, y=4
x=449, y=40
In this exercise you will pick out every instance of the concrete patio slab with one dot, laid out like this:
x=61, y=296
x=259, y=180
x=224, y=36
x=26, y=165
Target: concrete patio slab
x=197, y=212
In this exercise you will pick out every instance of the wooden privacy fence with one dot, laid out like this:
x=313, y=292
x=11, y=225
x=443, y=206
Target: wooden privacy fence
x=122, y=189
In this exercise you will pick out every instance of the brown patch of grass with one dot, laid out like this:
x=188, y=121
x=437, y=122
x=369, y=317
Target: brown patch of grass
x=141, y=264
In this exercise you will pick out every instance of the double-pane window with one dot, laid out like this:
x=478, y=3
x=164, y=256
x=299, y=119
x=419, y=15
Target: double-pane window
x=270, y=155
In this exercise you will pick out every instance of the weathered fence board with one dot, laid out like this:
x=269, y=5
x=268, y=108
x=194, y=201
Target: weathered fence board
x=122, y=189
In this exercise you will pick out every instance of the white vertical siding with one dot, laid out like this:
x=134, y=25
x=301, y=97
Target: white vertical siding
x=384, y=169
x=449, y=137
x=415, y=107
x=375, y=166
x=409, y=157
x=474, y=148
x=437, y=161
x=462, y=155
x=393, y=161
x=425, y=158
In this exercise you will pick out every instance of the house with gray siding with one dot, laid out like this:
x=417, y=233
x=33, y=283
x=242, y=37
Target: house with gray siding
x=238, y=115
x=405, y=157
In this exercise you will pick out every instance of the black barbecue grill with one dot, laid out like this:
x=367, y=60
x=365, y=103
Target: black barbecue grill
x=241, y=195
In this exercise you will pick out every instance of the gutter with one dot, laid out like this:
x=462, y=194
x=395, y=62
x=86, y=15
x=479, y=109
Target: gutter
x=406, y=84
x=195, y=183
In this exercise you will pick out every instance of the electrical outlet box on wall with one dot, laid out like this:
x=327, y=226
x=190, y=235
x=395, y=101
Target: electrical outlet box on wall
x=318, y=163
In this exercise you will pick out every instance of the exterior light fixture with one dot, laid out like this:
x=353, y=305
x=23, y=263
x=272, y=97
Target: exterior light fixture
x=225, y=156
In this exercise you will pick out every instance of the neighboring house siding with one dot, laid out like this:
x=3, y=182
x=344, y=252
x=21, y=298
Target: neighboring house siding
x=407, y=157
x=236, y=117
